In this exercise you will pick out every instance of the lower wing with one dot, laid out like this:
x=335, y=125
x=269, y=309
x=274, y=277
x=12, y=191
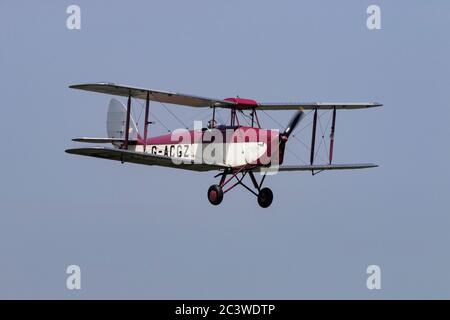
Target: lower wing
x=158, y=160
x=142, y=158
x=317, y=167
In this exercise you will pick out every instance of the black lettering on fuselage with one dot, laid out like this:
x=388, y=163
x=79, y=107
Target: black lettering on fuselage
x=172, y=150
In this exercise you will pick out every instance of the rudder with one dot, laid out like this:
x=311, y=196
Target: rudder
x=116, y=121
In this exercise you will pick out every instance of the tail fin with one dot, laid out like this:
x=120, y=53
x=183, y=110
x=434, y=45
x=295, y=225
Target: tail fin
x=116, y=122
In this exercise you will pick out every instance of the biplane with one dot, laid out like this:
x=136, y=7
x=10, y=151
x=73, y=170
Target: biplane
x=232, y=149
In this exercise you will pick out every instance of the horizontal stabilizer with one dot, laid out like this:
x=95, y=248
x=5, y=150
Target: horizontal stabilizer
x=103, y=140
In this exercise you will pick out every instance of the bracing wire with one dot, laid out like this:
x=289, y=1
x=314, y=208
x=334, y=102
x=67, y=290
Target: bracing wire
x=154, y=116
x=173, y=114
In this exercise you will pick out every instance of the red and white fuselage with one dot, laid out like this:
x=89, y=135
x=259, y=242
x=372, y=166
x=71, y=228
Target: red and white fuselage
x=226, y=146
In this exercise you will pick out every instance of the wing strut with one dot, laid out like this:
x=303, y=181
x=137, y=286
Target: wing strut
x=214, y=115
x=255, y=117
x=127, y=125
x=313, y=139
x=147, y=107
x=333, y=126
x=234, y=117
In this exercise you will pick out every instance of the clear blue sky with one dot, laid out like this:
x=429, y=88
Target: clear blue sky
x=149, y=232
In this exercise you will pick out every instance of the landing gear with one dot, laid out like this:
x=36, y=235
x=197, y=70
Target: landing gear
x=265, y=197
x=216, y=191
x=215, y=194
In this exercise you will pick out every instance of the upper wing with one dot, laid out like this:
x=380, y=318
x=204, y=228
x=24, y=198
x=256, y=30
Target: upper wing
x=317, y=105
x=153, y=95
x=196, y=101
x=140, y=158
x=317, y=167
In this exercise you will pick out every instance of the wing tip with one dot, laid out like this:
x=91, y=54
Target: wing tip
x=78, y=150
x=83, y=85
x=70, y=151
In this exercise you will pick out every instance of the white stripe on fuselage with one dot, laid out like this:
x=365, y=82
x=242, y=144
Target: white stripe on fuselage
x=234, y=154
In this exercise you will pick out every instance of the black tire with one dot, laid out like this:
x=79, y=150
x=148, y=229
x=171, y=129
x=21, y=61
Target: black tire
x=215, y=194
x=265, y=197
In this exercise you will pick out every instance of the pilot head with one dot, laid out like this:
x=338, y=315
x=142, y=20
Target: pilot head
x=212, y=124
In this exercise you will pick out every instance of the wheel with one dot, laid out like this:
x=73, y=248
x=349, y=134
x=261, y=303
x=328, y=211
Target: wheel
x=265, y=197
x=215, y=194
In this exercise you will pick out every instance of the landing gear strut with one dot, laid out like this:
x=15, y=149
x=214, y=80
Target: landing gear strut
x=216, y=191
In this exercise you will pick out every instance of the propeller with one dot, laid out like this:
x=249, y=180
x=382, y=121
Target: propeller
x=295, y=120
